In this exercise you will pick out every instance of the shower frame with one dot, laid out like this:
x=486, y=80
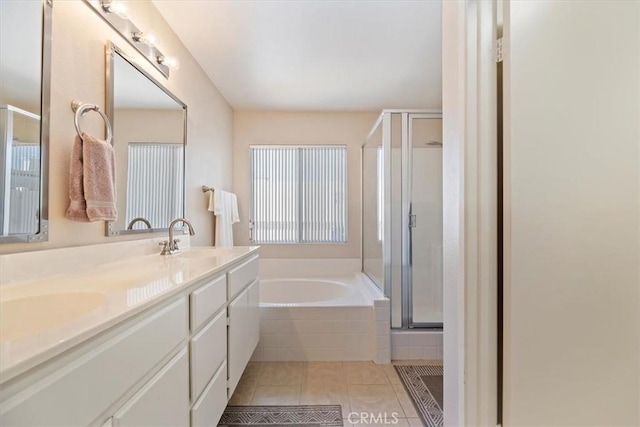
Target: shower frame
x=406, y=285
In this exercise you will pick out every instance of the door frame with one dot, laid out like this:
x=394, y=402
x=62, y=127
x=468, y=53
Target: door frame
x=470, y=262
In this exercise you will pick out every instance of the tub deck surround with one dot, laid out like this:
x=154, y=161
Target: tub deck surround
x=323, y=319
x=43, y=317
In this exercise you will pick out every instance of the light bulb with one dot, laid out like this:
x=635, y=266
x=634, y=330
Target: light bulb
x=115, y=7
x=149, y=39
x=140, y=37
x=169, y=61
x=121, y=10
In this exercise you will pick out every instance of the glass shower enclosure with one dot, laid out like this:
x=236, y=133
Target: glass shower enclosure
x=402, y=214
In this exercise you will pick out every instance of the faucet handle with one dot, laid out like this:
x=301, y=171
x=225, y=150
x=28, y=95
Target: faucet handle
x=165, y=247
x=175, y=244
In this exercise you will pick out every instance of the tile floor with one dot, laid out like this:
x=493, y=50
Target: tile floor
x=357, y=386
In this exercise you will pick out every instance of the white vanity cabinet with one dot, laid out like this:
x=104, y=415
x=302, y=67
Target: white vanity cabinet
x=174, y=364
x=79, y=387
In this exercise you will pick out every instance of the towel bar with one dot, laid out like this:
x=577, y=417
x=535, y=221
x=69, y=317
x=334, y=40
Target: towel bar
x=80, y=109
x=206, y=189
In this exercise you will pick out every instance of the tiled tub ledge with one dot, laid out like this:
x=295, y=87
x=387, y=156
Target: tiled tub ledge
x=353, y=327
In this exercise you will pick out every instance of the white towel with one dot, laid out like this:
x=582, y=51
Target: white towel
x=224, y=206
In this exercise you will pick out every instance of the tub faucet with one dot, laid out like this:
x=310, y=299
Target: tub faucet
x=170, y=247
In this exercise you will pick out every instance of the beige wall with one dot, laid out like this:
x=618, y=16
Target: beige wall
x=281, y=128
x=78, y=62
x=572, y=212
x=25, y=128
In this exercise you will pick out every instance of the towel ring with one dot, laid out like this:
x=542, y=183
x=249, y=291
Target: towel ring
x=80, y=109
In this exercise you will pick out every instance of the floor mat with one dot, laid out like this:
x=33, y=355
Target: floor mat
x=301, y=415
x=424, y=385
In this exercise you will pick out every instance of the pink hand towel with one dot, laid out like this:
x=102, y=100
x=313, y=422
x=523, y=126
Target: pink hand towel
x=77, y=210
x=92, y=181
x=99, y=170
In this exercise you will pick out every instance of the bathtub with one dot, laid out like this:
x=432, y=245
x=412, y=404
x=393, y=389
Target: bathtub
x=323, y=319
x=320, y=292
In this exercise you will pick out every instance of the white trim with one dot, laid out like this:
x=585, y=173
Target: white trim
x=453, y=115
x=410, y=111
x=469, y=202
x=20, y=111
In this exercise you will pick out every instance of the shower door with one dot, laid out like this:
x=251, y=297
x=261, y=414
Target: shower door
x=422, y=203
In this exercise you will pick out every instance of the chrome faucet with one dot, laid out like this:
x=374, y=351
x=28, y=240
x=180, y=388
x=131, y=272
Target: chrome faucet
x=170, y=247
x=139, y=219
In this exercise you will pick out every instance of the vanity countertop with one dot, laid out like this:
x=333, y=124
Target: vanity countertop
x=41, y=318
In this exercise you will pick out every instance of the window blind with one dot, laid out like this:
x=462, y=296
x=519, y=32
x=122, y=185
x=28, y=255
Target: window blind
x=298, y=194
x=154, y=183
x=24, y=191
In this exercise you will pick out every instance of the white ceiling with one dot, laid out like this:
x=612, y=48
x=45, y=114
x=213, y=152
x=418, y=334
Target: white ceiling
x=20, y=53
x=326, y=55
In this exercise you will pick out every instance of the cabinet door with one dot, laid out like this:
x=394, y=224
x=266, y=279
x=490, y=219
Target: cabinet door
x=237, y=338
x=163, y=401
x=254, y=317
x=244, y=331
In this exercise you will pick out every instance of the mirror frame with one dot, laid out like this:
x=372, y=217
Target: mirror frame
x=42, y=235
x=111, y=51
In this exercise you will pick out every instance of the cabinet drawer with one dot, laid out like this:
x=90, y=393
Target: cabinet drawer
x=209, y=408
x=206, y=300
x=208, y=351
x=163, y=401
x=70, y=396
x=241, y=276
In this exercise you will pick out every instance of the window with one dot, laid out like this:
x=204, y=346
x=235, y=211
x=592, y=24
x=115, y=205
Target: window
x=154, y=183
x=299, y=194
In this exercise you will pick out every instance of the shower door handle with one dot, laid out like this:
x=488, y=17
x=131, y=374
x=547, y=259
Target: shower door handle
x=412, y=225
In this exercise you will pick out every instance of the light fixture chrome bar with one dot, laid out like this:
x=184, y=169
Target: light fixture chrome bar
x=131, y=33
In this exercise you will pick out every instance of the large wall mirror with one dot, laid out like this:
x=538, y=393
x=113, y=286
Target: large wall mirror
x=25, y=43
x=149, y=137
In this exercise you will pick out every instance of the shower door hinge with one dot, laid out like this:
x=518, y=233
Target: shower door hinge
x=498, y=52
x=412, y=221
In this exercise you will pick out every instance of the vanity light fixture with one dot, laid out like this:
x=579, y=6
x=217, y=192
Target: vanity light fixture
x=116, y=14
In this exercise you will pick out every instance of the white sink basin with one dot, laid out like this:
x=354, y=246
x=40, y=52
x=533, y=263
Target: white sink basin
x=29, y=315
